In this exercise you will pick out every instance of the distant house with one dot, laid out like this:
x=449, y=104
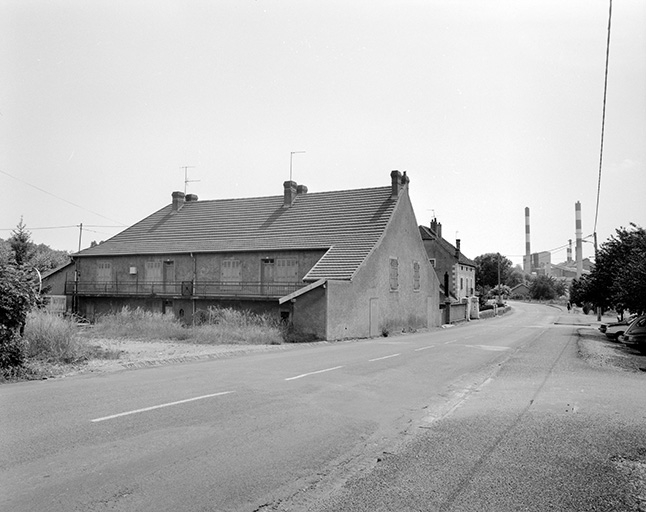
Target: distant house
x=53, y=286
x=455, y=272
x=520, y=291
x=336, y=265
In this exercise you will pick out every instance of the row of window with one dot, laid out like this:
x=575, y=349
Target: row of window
x=282, y=270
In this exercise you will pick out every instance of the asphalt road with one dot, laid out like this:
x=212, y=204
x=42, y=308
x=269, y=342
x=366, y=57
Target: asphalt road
x=294, y=429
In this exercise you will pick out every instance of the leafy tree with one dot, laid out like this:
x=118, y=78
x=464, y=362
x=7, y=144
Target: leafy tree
x=619, y=275
x=560, y=287
x=6, y=252
x=579, y=290
x=18, y=294
x=504, y=290
x=45, y=258
x=618, y=279
x=487, y=270
x=543, y=288
x=515, y=276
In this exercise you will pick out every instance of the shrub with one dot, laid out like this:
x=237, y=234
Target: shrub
x=17, y=296
x=389, y=326
x=52, y=338
x=11, y=350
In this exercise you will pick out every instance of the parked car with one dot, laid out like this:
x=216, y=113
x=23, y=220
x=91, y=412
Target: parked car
x=635, y=335
x=615, y=329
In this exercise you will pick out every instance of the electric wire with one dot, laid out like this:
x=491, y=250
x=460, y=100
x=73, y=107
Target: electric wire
x=60, y=198
x=603, y=116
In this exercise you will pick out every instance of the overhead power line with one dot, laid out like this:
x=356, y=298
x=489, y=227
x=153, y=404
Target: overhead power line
x=63, y=227
x=60, y=198
x=603, y=116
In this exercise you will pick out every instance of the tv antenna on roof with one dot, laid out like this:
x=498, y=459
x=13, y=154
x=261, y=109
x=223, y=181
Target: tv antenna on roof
x=291, y=155
x=186, y=180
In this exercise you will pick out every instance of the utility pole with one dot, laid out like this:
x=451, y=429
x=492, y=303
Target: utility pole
x=80, y=235
x=595, y=262
x=499, y=301
x=291, y=155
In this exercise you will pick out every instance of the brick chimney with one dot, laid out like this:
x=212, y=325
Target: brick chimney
x=436, y=227
x=291, y=189
x=190, y=198
x=457, y=248
x=399, y=182
x=178, y=201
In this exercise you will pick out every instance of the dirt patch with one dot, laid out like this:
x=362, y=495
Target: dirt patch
x=111, y=355
x=139, y=354
x=600, y=352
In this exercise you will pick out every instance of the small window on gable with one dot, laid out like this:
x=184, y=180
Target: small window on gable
x=394, y=274
x=416, y=279
x=432, y=260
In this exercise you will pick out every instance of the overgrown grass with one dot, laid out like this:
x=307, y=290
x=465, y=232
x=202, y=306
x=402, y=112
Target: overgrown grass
x=140, y=325
x=227, y=325
x=214, y=326
x=53, y=339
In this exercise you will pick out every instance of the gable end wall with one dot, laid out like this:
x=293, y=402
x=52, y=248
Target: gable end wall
x=350, y=312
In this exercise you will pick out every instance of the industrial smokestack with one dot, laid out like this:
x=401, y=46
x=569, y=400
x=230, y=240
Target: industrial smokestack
x=569, y=251
x=527, y=261
x=579, y=239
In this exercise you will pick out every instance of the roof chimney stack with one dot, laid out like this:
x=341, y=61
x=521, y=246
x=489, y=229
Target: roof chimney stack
x=399, y=182
x=178, y=201
x=291, y=189
x=457, y=249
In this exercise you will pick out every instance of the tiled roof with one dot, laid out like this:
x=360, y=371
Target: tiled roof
x=429, y=234
x=347, y=224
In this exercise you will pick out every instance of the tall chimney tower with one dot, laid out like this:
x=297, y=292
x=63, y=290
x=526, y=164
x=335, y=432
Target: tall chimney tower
x=579, y=239
x=569, y=251
x=527, y=260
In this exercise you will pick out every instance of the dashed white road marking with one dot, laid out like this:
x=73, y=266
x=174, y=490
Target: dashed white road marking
x=96, y=420
x=424, y=348
x=452, y=341
x=385, y=357
x=313, y=373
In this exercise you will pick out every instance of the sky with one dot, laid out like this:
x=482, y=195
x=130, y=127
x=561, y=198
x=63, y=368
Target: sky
x=489, y=106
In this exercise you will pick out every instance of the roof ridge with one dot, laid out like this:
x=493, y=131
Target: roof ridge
x=308, y=194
